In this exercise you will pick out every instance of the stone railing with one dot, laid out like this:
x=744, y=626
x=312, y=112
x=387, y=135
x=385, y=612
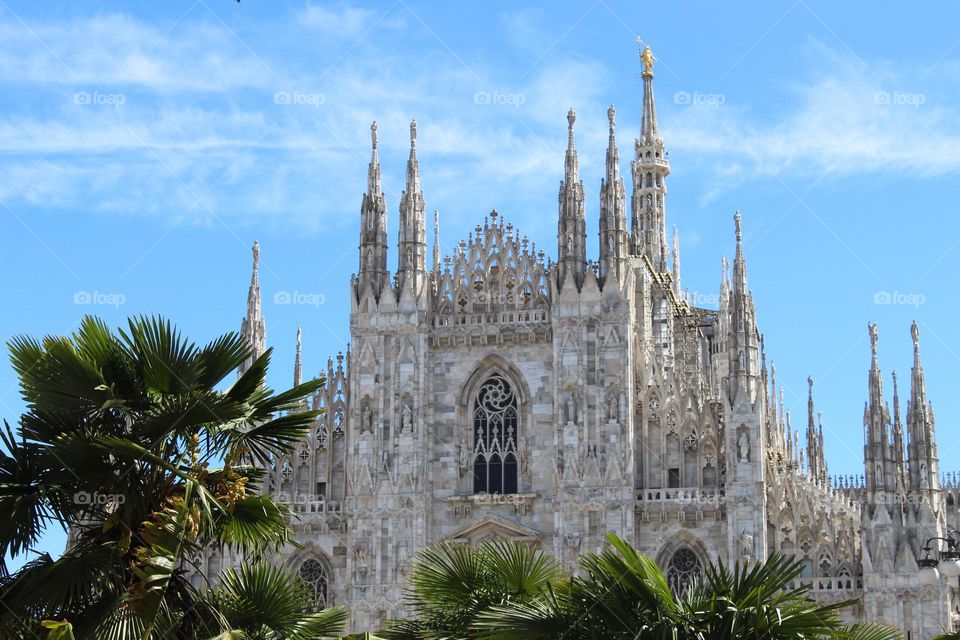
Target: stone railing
x=711, y=496
x=477, y=318
x=842, y=585
x=322, y=507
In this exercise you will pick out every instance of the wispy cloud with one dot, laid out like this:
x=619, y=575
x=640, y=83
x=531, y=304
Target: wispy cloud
x=191, y=122
x=194, y=122
x=343, y=20
x=844, y=119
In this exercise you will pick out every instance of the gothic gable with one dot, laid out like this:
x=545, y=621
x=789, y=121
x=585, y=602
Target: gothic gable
x=493, y=527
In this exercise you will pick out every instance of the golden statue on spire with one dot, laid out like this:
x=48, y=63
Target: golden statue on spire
x=646, y=57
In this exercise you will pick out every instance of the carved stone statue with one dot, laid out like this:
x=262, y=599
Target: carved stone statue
x=464, y=455
x=746, y=545
x=366, y=418
x=403, y=557
x=613, y=406
x=571, y=409
x=743, y=446
x=406, y=419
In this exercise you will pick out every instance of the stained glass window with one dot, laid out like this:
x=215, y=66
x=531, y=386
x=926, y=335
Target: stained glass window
x=495, y=417
x=312, y=573
x=683, y=568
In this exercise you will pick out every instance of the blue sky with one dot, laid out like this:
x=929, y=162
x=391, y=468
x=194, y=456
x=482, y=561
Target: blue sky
x=144, y=146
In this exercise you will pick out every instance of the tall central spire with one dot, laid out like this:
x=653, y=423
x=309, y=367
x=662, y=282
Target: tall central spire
x=649, y=132
x=650, y=169
x=412, y=244
x=613, y=213
x=373, y=228
x=571, y=228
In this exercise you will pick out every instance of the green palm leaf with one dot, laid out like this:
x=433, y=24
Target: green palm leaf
x=116, y=444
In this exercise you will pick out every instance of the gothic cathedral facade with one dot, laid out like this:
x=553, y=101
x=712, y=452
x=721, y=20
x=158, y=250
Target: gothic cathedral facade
x=498, y=393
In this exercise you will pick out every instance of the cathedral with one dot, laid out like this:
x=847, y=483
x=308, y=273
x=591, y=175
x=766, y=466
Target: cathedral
x=501, y=393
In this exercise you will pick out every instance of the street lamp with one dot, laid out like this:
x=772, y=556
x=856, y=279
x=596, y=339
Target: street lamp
x=946, y=564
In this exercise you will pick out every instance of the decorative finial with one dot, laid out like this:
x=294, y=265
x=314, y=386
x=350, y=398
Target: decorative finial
x=571, y=118
x=915, y=332
x=736, y=221
x=611, y=115
x=299, y=337
x=646, y=57
x=413, y=133
x=373, y=134
x=256, y=255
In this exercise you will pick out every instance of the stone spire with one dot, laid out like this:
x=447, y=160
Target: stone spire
x=412, y=242
x=252, y=328
x=298, y=360
x=572, y=229
x=744, y=337
x=614, y=237
x=436, y=243
x=650, y=169
x=676, y=260
x=649, y=132
x=924, y=464
x=823, y=458
x=373, y=229
x=876, y=420
x=723, y=316
x=815, y=457
x=899, y=451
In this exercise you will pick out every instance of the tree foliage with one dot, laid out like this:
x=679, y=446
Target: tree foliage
x=135, y=442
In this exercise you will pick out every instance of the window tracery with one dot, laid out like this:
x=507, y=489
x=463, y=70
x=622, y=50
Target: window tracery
x=683, y=569
x=495, y=423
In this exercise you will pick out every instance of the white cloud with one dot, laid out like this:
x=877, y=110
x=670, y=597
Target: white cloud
x=199, y=121
x=116, y=50
x=844, y=120
x=345, y=21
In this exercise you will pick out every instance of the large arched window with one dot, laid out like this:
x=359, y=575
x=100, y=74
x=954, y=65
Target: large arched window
x=312, y=573
x=495, y=412
x=684, y=567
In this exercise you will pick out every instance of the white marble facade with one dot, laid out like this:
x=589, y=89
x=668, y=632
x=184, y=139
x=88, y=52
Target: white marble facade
x=496, y=392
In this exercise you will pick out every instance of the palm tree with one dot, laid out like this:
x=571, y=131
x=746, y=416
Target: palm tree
x=451, y=584
x=623, y=594
x=264, y=602
x=129, y=442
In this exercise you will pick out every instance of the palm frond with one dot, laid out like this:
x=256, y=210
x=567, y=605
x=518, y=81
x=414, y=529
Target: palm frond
x=252, y=597
x=869, y=631
x=168, y=362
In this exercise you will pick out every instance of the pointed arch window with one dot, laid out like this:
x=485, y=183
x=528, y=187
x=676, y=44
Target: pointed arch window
x=314, y=576
x=683, y=569
x=495, y=423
